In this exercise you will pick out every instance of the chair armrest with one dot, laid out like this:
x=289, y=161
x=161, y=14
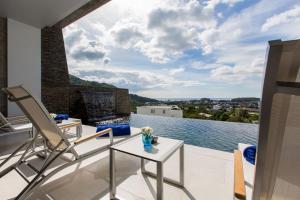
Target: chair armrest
x=73, y=124
x=17, y=117
x=89, y=137
x=18, y=120
x=23, y=117
x=239, y=180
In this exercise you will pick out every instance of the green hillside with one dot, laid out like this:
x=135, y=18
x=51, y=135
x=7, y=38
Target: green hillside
x=74, y=80
x=136, y=100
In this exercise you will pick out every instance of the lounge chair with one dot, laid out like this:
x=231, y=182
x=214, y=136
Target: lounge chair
x=16, y=124
x=21, y=124
x=55, y=140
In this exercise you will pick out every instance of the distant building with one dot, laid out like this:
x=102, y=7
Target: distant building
x=167, y=111
x=217, y=107
x=205, y=100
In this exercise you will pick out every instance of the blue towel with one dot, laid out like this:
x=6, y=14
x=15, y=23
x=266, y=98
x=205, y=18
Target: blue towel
x=118, y=129
x=249, y=154
x=61, y=117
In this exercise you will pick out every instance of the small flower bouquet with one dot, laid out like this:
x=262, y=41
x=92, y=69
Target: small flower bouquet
x=53, y=115
x=147, y=137
x=147, y=131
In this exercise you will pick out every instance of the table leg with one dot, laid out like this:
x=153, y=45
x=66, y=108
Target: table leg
x=112, y=174
x=182, y=165
x=34, y=131
x=79, y=130
x=143, y=165
x=160, y=181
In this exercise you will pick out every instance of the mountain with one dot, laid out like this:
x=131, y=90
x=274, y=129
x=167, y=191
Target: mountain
x=142, y=99
x=134, y=99
x=74, y=80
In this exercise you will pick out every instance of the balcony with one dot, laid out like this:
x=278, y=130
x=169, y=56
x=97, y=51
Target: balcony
x=33, y=54
x=206, y=171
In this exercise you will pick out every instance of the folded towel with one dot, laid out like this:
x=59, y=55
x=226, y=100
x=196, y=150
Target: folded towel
x=118, y=129
x=249, y=154
x=61, y=117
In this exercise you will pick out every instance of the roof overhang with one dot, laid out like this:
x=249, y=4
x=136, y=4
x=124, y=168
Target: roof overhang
x=42, y=13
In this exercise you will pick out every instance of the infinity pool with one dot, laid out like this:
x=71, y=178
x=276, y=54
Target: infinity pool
x=223, y=136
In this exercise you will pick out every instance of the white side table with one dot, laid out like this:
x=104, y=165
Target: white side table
x=160, y=152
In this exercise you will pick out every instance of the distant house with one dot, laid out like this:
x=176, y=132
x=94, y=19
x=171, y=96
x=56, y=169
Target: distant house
x=216, y=107
x=167, y=111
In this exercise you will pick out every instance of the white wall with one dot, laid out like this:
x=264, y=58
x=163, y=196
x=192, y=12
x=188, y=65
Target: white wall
x=167, y=112
x=24, y=59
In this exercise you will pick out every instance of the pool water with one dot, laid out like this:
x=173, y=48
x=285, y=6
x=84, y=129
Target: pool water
x=219, y=135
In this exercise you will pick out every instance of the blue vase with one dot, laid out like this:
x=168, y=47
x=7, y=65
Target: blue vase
x=147, y=141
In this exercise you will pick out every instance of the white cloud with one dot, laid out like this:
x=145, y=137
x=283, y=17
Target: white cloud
x=133, y=79
x=238, y=72
x=81, y=45
x=241, y=27
x=167, y=31
x=214, y=3
x=236, y=59
x=127, y=34
x=199, y=65
x=292, y=15
x=173, y=29
x=176, y=71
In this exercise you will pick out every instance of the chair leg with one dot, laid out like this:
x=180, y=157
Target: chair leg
x=38, y=178
x=13, y=154
x=13, y=166
x=6, y=171
x=40, y=174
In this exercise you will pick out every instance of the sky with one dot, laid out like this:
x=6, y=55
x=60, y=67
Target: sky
x=180, y=48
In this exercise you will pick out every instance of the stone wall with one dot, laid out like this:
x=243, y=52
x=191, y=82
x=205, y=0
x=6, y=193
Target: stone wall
x=55, y=75
x=3, y=64
x=122, y=101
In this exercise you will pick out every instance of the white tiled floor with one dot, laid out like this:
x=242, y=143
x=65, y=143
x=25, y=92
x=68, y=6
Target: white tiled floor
x=208, y=176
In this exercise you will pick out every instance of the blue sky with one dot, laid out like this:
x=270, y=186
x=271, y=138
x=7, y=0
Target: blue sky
x=180, y=48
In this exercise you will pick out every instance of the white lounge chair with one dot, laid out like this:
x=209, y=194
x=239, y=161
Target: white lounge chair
x=55, y=140
x=16, y=124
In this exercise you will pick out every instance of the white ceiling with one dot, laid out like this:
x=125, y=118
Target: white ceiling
x=39, y=13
